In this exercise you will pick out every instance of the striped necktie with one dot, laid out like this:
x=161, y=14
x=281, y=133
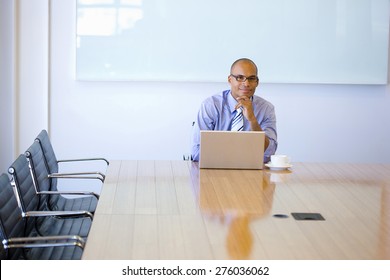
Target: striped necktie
x=238, y=121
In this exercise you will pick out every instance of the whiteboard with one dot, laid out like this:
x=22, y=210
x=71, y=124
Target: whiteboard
x=291, y=41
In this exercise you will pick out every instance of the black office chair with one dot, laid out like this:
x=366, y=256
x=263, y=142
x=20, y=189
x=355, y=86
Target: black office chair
x=52, y=163
x=19, y=237
x=54, y=198
x=33, y=204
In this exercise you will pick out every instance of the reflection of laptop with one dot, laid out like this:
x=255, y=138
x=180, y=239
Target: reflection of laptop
x=231, y=149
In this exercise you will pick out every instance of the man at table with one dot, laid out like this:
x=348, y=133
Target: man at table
x=217, y=112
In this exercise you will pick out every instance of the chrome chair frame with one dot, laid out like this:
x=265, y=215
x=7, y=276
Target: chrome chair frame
x=36, y=184
x=85, y=200
x=22, y=236
x=25, y=213
x=44, y=241
x=39, y=211
x=47, y=149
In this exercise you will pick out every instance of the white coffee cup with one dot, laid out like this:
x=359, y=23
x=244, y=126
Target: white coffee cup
x=280, y=160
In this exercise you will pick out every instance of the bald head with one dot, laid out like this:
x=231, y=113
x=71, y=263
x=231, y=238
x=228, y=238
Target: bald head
x=243, y=60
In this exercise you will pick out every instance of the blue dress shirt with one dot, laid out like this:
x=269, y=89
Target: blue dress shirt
x=217, y=113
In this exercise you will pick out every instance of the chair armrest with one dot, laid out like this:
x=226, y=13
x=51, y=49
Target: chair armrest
x=79, y=175
x=61, y=214
x=69, y=193
x=84, y=159
x=44, y=241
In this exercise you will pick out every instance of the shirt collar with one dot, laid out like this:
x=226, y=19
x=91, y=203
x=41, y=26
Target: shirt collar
x=231, y=102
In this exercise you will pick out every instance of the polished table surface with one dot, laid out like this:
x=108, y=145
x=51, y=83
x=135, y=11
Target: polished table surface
x=174, y=210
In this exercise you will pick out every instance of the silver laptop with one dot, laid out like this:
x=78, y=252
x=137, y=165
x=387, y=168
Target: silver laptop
x=231, y=149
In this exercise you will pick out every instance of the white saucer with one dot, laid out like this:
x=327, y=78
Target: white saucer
x=273, y=167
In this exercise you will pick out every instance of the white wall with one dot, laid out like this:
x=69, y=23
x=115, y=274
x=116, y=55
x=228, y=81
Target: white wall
x=24, y=86
x=6, y=84
x=130, y=120
x=32, y=69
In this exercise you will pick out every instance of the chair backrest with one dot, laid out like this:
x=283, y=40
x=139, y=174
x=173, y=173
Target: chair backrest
x=24, y=186
x=11, y=222
x=48, y=151
x=39, y=171
x=40, y=175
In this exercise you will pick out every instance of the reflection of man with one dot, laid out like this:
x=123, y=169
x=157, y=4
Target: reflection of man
x=239, y=240
x=217, y=112
x=235, y=198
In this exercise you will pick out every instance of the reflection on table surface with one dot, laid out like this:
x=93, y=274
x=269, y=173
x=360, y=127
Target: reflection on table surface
x=174, y=210
x=233, y=200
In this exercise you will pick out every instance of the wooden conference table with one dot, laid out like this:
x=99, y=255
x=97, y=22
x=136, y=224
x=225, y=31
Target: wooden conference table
x=174, y=210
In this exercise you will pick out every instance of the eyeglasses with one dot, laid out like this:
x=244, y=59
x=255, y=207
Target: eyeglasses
x=242, y=78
